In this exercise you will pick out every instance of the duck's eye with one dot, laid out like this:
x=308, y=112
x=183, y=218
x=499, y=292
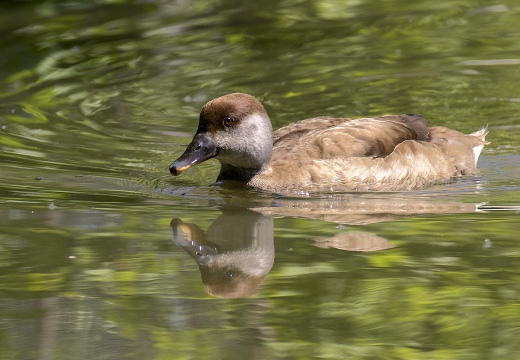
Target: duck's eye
x=228, y=121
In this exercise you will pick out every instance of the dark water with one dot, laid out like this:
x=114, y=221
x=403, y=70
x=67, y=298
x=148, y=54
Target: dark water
x=103, y=255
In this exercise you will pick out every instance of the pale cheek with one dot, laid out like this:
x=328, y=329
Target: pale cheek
x=225, y=141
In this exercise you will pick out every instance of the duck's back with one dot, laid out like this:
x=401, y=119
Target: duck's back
x=327, y=138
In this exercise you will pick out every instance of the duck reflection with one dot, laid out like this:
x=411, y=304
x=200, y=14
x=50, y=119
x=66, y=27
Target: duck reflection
x=355, y=241
x=364, y=209
x=237, y=251
x=234, y=255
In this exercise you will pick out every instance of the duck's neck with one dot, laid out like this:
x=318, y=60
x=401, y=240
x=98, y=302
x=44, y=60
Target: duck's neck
x=230, y=172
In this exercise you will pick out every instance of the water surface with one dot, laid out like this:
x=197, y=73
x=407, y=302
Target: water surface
x=104, y=255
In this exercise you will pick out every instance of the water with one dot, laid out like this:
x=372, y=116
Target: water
x=104, y=255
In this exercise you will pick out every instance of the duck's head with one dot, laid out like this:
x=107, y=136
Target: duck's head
x=234, y=129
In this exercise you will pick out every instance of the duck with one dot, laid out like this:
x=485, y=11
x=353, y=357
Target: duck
x=324, y=154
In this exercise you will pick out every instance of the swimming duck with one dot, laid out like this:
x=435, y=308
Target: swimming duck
x=387, y=153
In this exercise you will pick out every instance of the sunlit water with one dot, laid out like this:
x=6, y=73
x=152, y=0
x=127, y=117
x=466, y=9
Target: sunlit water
x=104, y=255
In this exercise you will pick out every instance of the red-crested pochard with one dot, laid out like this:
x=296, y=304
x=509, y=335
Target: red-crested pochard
x=387, y=153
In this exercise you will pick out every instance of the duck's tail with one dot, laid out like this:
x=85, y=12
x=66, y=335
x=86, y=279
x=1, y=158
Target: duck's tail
x=481, y=134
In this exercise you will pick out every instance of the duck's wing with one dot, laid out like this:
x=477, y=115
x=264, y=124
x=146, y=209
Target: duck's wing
x=325, y=138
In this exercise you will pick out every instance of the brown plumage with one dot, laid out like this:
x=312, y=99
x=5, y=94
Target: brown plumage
x=387, y=153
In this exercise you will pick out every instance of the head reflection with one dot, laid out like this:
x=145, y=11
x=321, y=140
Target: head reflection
x=234, y=255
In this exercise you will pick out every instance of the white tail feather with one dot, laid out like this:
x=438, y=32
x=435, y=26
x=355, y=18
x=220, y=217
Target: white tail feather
x=481, y=135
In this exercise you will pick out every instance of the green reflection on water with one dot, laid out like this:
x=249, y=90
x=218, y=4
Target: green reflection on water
x=96, y=100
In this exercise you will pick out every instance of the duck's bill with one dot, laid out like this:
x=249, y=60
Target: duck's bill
x=200, y=149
